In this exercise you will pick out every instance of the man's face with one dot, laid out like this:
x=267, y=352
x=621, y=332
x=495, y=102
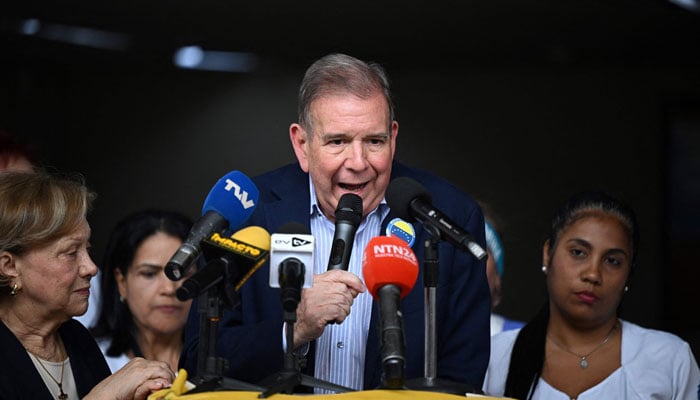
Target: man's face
x=349, y=150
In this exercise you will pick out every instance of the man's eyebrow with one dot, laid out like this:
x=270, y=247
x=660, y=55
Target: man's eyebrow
x=382, y=135
x=333, y=136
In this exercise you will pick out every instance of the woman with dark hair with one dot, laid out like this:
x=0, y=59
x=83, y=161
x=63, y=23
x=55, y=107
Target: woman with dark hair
x=139, y=314
x=577, y=347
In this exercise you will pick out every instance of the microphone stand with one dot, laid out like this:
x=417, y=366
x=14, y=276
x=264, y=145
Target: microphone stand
x=210, y=367
x=291, y=279
x=431, y=272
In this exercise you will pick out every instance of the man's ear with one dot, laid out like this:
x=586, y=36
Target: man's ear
x=299, y=139
x=394, y=134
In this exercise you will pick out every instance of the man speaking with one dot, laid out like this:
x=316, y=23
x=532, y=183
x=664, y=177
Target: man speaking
x=345, y=142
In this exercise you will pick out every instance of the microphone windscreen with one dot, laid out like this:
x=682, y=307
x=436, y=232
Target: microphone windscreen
x=245, y=251
x=249, y=243
x=389, y=261
x=253, y=235
x=349, y=209
x=234, y=197
x=292, y=240
x=401, y=192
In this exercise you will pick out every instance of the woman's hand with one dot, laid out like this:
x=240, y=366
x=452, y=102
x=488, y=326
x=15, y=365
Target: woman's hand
x=135, y=380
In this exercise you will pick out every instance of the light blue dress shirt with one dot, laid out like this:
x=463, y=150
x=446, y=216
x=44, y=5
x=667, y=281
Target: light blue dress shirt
x=340, y=351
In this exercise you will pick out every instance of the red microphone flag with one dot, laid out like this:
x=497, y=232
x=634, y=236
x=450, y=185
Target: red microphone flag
x=389, y=261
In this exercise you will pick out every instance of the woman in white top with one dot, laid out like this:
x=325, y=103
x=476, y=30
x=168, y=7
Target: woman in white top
x=577, y=347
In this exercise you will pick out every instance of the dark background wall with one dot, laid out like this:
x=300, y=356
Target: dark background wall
x=520, y=105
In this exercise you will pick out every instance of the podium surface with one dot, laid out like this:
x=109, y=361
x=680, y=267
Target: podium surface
x=378, y=394
x=180, y=387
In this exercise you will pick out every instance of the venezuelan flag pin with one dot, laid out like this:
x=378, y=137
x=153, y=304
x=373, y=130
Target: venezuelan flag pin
x=401, y=229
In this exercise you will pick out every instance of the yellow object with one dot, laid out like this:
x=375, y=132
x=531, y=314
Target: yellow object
x=360, y=395
x=178, y=387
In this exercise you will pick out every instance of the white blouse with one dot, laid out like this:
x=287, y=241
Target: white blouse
x=654, y=365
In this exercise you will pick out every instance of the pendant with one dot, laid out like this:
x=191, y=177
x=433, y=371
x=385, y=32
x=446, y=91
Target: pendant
x=584, y=363
x=61, y=395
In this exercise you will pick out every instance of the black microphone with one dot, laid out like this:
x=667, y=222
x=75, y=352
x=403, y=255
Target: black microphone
x=229, y=203
x=291, y=263
x=411, y=201
x=235, y=258
x=348, y=216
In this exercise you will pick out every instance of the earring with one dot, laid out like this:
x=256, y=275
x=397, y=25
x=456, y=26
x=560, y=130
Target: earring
x=122, y=299
x=544, y=269
x=15, y=289
x=627, y=288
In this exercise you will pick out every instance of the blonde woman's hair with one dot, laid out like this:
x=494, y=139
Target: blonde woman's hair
x=37, y=208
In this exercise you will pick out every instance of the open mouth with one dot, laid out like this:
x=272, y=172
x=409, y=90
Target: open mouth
x=352, y=188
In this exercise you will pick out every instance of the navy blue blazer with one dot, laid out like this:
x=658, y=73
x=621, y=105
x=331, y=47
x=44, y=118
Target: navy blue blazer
x=19, y=378
x=250, y=335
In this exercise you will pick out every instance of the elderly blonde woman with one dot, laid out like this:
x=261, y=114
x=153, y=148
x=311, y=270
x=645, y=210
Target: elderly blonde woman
x=45, y=273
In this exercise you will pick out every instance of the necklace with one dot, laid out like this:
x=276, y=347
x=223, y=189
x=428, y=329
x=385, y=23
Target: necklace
x=584, y=358
x=61, y=395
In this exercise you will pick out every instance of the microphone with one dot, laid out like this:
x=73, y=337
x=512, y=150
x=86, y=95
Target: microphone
x=235, y=258
x=348, y=215
x=390, y=269
x=230, y=202
x=411, y=201
x=291, y=263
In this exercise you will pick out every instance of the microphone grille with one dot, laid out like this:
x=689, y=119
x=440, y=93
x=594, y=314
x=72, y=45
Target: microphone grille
x=401, y=192
x=389, y=260
x=253, y=235
x=349, y=209
x=234, y=197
